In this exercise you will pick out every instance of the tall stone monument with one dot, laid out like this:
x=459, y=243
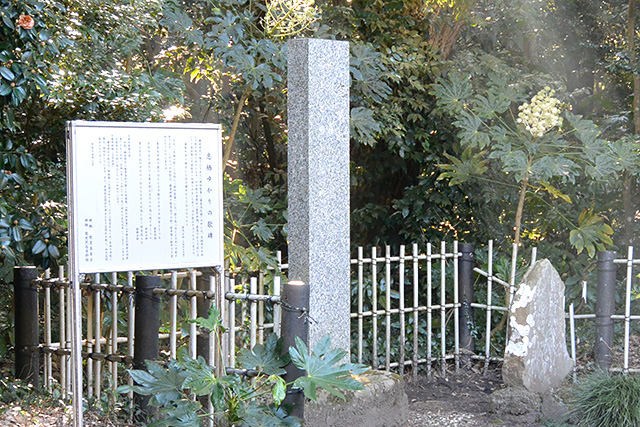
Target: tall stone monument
x=536, y=356
x=318, y=176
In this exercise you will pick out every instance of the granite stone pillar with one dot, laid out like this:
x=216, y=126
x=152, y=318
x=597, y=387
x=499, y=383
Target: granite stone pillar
x=318, y=176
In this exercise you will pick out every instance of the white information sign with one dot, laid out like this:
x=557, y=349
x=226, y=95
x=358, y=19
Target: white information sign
x=144, y=196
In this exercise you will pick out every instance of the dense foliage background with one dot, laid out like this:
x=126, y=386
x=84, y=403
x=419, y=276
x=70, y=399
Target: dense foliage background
x=437, y=151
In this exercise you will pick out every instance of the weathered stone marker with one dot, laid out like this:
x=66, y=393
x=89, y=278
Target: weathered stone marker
x=536, y=356
x=318, y=157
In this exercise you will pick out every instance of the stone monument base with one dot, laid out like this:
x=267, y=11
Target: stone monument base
x=382, y=403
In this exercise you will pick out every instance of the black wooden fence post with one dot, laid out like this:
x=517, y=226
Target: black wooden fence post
x=465, y=287
x=295, y=323
x=605, y=306
x=25, y=298
x=146, y=329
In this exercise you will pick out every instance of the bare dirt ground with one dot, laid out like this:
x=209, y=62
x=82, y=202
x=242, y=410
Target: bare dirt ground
x=457, y=400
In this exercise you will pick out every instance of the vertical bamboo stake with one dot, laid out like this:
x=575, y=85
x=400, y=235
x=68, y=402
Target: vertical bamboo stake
x=534, y=255
x=402, y=319
x=90, y=343
x=429, y=309
x=193, y=314
x=48, y=374
x=487, y=344
x=260, y=309
x=232, y=326
x=215, y=358
x=360, y=305
x=387, y=265
x=218, y=348
x=416, y=325
x=374, y=305
x=627, y=308
x=173, y=312
x=572, y=328
x=114, y=334
x=276, y=307
x=97, y=319
x=253, y=313
x=131, y=321
x=456, y=305
x=223, y=282
x=443, y=302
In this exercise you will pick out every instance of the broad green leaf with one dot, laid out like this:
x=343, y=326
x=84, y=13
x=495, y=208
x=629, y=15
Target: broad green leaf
x=262, y=230
x=461, y=170
x=364, y=126
x=470, y=133
x=183, y=413
x=322, y=371
x=163, y=384
x=267, y=358
x=278, y=388
x=452, y=93
x=260, y=415
x=592, y=233
x=7, y=73
x=5, y=89
x=202, y=381
x=491, y=105
x=38, y=247
x=626, y=154
x=53, y=251
x=212, y=322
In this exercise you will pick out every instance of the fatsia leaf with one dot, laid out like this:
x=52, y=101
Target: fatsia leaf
x=201, y=380
x=461, y=170
x=260, y=415
x=491, y=105
x=363, y=125
x=470, y=133
x=452, y=93
x=164, y=385
x=262, y=230
x=322, y=369
x=592, y=233
x=211, y=323
x=626, y=154
x=265, y=358
x=183, y=413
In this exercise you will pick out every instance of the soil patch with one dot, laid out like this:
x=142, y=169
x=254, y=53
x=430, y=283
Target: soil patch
x=458, y=400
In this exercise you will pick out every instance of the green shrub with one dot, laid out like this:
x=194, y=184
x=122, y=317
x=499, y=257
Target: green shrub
x=605, y=400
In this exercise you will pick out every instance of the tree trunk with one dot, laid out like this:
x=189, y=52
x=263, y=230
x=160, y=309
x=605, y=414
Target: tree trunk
x=234, y=128
x=520, y=210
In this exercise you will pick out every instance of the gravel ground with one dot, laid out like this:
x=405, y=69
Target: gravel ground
x=458, y=400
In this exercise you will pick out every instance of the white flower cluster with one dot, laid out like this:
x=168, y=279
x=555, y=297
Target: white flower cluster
x=285, y=18
x=542, y=114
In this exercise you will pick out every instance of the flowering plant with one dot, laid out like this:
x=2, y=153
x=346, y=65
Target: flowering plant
x=528, y=147
x=542, y=114
x=26, y=22
x=289, y=17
